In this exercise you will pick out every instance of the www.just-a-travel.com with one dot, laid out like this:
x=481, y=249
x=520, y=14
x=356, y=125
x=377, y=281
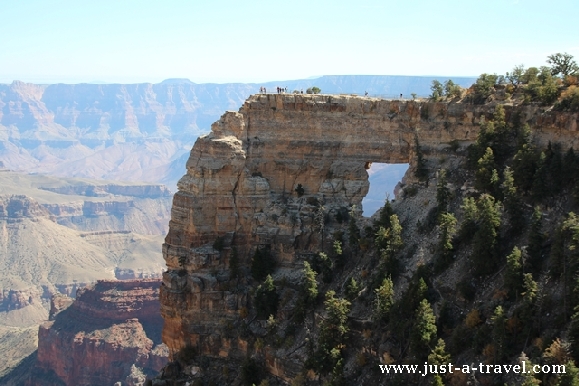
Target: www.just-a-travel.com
x=427, y=369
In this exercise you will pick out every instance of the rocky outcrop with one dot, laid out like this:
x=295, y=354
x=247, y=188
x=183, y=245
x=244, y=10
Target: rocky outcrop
x=20, y=206
x=259, y=179
x=109, y=334
x=17, y=299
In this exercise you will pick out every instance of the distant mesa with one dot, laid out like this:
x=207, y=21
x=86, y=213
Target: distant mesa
x=177, y=81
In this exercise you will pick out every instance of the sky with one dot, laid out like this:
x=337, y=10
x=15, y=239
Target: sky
x=219, y=41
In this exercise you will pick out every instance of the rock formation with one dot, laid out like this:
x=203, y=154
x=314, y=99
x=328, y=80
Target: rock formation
x=111, y=330
x=57, y=235
x=259, y=179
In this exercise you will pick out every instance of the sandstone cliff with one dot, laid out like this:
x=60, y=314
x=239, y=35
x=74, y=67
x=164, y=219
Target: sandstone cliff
x=259, y=179
x=57, y=235
x=109, y=334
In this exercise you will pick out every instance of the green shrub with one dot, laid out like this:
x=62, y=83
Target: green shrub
x=484, y=87
x=266, y=299
x=352, y=289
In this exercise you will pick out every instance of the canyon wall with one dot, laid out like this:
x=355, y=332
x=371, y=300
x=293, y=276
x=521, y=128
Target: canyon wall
x=97, y=234
x=259, y=179
x=110, y=333
x=58, y=235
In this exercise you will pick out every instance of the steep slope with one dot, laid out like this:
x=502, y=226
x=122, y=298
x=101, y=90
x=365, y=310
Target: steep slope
x=280, y=181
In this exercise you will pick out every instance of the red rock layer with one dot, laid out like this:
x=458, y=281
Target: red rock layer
x=95, y=340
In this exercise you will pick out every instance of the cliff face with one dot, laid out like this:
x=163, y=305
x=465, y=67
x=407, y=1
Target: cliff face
x=258, y=179
x=57, y=235
x=115, y=131
x=54, y=238
x=110, y=330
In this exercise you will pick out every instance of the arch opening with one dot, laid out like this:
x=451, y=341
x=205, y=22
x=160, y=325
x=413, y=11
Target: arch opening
x=383, y=178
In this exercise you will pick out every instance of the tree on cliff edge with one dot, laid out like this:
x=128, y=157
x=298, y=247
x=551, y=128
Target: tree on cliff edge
x=562, y=64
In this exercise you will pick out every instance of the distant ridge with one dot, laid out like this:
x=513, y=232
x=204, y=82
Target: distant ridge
x=141, y=131
x=177, y=81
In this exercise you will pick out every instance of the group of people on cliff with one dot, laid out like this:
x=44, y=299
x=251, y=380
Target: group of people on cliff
x=280, y=90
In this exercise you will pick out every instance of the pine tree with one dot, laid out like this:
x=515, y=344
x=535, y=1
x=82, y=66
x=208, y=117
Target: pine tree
x=437, y=380
x=526, y=379
x=395, y=238
x=266, y=298
x=485, y=249
x=524, y=166
x=512, y=200
x=484, y=172
x=571, y=375
x=569, y=254
x=384, y=299
x=352, y=289
x=514, y=273
x=309, y=284
x=540, y=187
x=536, y=238
x=499, y=334
x=421, y=171
x=573, y=336
x=333, y=330
x=530, y=289
x=424, y=330
x=446, y=232
x=385, y=212
x=438, y=356
x=389, y=242
x=470, y=215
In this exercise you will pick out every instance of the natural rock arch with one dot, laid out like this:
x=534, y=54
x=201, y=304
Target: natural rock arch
x=241, y=184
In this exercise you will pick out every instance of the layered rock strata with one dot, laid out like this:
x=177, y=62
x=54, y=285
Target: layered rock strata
x=259, y=178
x=100, y=338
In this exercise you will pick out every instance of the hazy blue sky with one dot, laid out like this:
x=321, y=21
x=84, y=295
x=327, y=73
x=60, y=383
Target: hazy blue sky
x=251, y=41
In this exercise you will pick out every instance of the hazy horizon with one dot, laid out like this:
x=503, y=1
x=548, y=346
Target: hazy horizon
x=43, y=81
